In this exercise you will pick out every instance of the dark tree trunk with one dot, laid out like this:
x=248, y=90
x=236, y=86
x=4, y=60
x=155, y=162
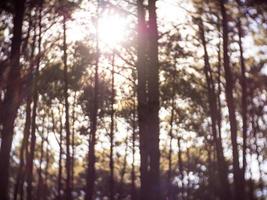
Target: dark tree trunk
x=59, y=180
x=30, y=158
x=169, y=182
x=244, y=99
x=225, y=192
x=27, y=134
x=32, y=145
x=40, y=184
x=67, y=120
x=255, y=130
x=181, y=167
x=73, y=143
x=229, y=89
x=11, y=101
x=153, y=104
x=188, y=185
x=123, y=170
x=148, y=100
x=111, y=161
x=24, y=145
x=142, y=98
x=133, y=176
x=45, y=185
x=90, y=174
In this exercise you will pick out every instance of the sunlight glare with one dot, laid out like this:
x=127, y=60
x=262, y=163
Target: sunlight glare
x=112, y=30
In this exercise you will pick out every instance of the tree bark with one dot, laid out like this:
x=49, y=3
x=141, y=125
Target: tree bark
x=30, y=158
x=59, y=179
x=229, y=89
x=153, y=104
x=67, y=118
x=170, y=193
x=244, y=100
x=148, y=100
x=181, y=167
x=40, y=173
x=123, y=170
x=142, y=97
x=90, y=176
x=225, y=192
x=73, y=142
x=24, y=145
x=133, y=176
x=111, y=161
x=11, y=100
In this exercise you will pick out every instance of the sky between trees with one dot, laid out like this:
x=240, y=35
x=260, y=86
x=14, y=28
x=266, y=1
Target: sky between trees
x=133, y=99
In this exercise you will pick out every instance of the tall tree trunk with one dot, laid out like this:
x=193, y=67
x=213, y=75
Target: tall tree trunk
x=181, y=167
x=47, y=159
x=142, y=98
x=244, y=99
x=90, y=174
x=251, y=185
x=170, y=193
x=30, y=158
x=133, y=176
x=40, y=176
x=26, y=133
x=225, y=192
x=123, y=170
x=148, y=100
x=229, y=89
x=59, y=179
x=11, y=100
x=255, y=130
x=219, y=90
x=67, y=122
x=73, y=142
x=153, y=104
x=32, y=145
x=111, y=161
x=188, y=185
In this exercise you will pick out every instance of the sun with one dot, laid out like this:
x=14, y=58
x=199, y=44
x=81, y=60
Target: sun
x=112, y=30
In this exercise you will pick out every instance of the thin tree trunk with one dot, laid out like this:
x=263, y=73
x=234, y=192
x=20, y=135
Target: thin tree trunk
x=211, y=174
x=170, y=193
x=90, y=176
x=181, y=167
x=229, y=89
x=188, y=185
x=26, y=133
x=40, y=176
x=47, y=158
x=244, y=98
x=32, y=146
x=59, y=180
x=34, y=111
x=133, y=176
x=123, y=170
x=251, y=185
x=111, y=161
x=67, y=122
x=225, y=193
x=73, y=142
x=255, y=129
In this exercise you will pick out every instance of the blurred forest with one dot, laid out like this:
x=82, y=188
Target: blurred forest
x=133, y=99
